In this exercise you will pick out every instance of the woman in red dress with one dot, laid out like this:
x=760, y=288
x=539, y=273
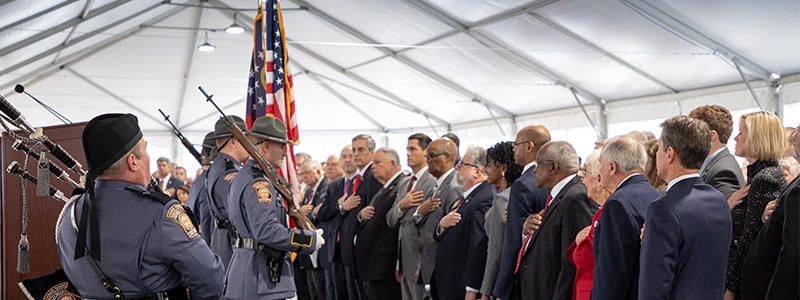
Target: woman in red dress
x=580, y=252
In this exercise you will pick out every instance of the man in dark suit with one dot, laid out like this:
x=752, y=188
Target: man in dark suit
x=376, y=242
x=164, y=178
x=544, y=272
x=364, y=187
x=775, y=249
x=524, y=199
x=720, y=168
x=308, y=268
x=330, y=218
x=616, y=242
x=411, y=191
x=441, y=156
x=687, y=231
x=461, y=255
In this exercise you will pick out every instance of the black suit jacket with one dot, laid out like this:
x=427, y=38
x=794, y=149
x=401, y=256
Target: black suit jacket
x=545, y=272
x=330, y=220
x=525, y=198
x=723, y=173
x=461, y=256
x=768, y=246
x=366, y=189
x=304, y=260
x=376, y=246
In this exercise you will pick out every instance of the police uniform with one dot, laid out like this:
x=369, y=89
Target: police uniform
x=198, y=194
x=149, y=244
x=218, y=183
x=261, y=265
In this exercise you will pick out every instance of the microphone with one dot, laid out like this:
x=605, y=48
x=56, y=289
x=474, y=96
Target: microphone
x=21, y=89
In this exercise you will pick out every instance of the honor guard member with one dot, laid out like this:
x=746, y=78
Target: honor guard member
x=220, y=175
x=261, y=267
x=150, y=247
x=198, y=194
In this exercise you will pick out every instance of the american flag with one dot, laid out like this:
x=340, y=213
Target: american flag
x=270, y=83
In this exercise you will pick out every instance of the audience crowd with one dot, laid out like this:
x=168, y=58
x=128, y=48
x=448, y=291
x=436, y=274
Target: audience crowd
x=642, y=217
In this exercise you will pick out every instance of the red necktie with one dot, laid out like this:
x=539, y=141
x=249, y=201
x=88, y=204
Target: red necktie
x=411, y=183
x=356, y=182
x=522, y=249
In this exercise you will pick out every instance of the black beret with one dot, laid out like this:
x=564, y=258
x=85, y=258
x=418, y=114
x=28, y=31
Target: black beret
x=222, y=127
x=107, y=138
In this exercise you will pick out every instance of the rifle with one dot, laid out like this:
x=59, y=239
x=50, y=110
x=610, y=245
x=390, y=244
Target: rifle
x=183, y=139
x=278, y=182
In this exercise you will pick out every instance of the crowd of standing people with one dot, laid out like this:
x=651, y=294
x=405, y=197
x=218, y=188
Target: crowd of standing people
x=642, y=217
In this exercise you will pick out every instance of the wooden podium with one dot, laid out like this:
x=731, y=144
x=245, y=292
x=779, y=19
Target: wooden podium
x=42, y=211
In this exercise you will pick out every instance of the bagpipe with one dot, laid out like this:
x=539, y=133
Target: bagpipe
x=47, y=155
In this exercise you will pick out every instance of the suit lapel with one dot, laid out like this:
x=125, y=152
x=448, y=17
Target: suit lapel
x=715, y=159
x=552, y=207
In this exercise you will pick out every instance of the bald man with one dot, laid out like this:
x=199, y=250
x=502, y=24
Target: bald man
x=441, y=156
x=525, y=199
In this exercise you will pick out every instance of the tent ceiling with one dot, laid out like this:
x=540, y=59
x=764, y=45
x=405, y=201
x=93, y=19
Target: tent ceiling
x=389, y=64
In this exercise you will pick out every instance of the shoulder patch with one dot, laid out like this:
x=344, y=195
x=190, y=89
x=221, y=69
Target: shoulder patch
x=177, y=213
x=262, y=191
x=229, y=177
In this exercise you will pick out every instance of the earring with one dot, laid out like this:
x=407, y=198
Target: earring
x=503, y=174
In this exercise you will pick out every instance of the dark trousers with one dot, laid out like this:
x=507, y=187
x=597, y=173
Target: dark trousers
x=382, y=290
x=315, y=278
x=335, y=282
x=355, y=291
x=300, y=281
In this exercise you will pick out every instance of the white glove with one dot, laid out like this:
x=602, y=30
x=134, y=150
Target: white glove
x=320, y=240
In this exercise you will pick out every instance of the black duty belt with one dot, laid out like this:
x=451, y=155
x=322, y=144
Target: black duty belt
x=275, y=258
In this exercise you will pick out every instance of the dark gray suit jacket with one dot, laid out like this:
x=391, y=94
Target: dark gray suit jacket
x=410, y=245
x=448, y=193
x=723, y=173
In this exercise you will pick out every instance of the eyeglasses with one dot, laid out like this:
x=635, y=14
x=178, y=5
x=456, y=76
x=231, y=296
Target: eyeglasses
x=433, y=155
x=461, y=163
x=521, y=143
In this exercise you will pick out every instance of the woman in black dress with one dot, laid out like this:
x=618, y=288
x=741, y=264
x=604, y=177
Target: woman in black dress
x=760, y=138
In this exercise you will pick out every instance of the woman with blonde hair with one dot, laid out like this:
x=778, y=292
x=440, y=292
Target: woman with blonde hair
x=761, y=138
x=581, y=253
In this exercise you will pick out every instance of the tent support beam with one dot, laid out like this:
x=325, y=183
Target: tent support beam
x=775, y=100
x=55, y=29
x=36, y=15
x=76, y=40
x=214, y=113
x=600, y=50
x=600, y=134
x=246, y=21
x=344, y=100
x=82, y=15
x=117, y=97
x=672, y=19
x=496, y=122
x=747, y=83
x=513, y=12
x=511, y=55
x=402, y=59
x=52, y=68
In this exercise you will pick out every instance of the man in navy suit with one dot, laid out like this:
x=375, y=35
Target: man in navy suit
x=688, y=230
x=525, y=199
x=164, y=177
x=364, y=187
x=461, y=256
x=616, y=235
x=330, y=218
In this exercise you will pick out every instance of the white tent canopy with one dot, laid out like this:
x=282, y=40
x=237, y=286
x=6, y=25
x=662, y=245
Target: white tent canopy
x=479, y=68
